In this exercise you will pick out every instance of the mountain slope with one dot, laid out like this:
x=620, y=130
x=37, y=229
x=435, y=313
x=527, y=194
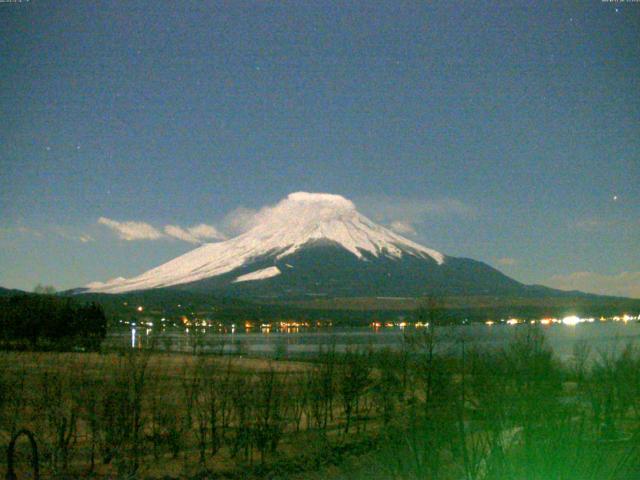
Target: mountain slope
x=7, y=292
x=311, y=245
x=322, y=268
x=294, y=223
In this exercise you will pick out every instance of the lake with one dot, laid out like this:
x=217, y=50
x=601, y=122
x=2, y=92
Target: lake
x=608, y=337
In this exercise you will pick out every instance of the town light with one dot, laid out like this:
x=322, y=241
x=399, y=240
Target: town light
x=571, y=320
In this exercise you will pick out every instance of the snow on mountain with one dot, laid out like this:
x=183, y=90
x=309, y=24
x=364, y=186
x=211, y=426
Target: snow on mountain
x=259, y=274
x=279, y=231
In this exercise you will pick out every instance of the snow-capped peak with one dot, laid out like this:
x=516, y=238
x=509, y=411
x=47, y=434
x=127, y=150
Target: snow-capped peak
x=279, y=230
x=326, y=199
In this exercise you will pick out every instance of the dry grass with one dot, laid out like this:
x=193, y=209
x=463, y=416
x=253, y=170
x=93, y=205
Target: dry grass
x=387, y=414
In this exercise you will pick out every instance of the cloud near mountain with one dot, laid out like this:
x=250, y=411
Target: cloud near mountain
x=400, y=214
x=133, y=231
x=403, y=227
x=197, y=234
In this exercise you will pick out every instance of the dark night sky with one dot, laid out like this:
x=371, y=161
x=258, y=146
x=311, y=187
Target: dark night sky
x=507, y=132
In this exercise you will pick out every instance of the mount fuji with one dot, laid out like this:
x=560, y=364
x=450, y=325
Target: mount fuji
x=318, y=244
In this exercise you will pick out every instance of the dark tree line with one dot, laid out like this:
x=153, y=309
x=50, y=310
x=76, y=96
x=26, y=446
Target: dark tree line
x=47, y=321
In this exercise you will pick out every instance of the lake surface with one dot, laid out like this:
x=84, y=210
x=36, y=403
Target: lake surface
x=606, y=337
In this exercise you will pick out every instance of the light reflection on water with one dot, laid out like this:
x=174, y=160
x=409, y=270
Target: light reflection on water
x=607, y=337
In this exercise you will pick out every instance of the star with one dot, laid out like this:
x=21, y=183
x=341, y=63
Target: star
x=77, y=147
x=615, y=198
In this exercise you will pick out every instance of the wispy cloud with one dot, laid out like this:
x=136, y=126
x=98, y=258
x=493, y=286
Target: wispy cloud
x=242, y=219
x=131, y=231
x=206, y=232
x=413, y=209
x=626, y=284
x=21, y=230
x=399, y=213
x=402, y=214
x=402, y=227
x=196, y=234
x=68, y=234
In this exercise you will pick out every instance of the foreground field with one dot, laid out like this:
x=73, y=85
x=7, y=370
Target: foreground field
x=513, y=413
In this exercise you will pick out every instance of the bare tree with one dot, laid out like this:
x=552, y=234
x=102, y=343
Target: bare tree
x=353, y=380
